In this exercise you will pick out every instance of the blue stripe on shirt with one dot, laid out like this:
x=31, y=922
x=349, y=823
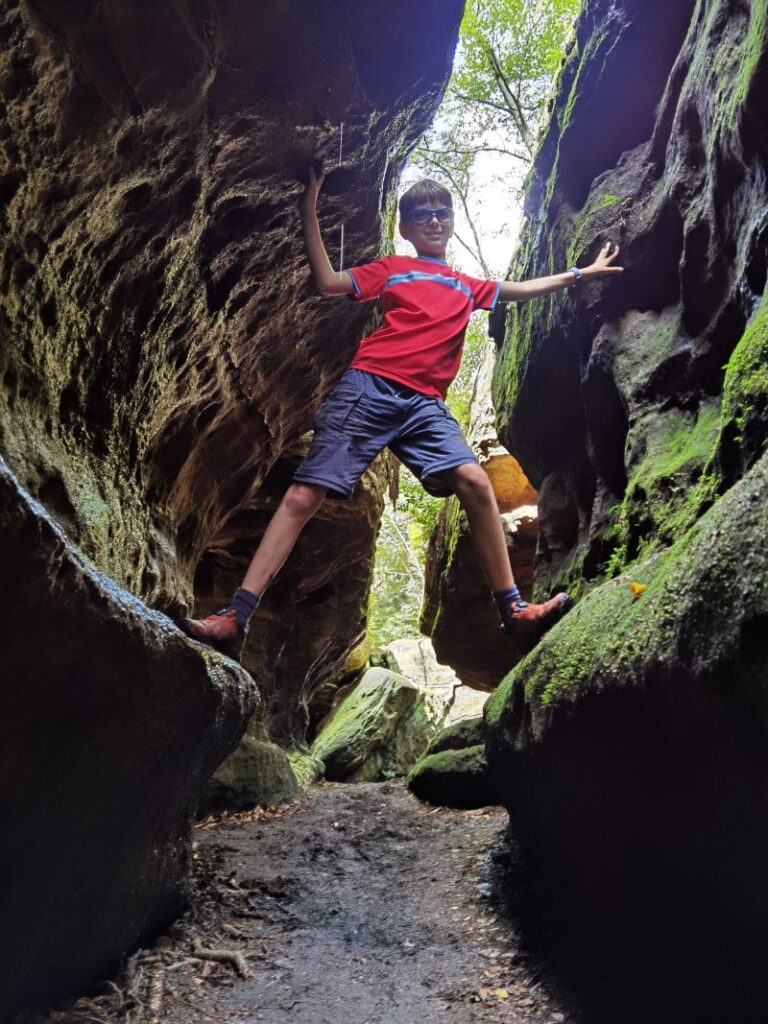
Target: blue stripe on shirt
x=354, y=282
x=417, y=275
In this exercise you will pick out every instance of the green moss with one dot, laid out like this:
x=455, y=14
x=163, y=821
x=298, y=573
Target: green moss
x=688, y=618
x=670, y=487
x=745, y=390
x=592, y=221
x=748, y=59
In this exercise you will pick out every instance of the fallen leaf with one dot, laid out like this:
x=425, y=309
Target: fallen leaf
x=638, y=589
x=501, y=993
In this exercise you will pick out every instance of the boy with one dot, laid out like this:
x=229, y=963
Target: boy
x=392, y=396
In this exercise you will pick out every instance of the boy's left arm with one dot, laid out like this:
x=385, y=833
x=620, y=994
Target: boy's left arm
x=522, y=291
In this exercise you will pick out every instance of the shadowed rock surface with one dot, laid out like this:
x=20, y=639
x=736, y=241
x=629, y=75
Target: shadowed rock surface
x=111, y=725
x=453, y=778
x=161, y=357
x=161, y=350
x=630, y=745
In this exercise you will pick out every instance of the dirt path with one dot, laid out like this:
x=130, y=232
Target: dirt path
x=357, y=906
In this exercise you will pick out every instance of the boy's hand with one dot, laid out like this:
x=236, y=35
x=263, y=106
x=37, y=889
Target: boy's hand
x=308, y=199
x=604, y=261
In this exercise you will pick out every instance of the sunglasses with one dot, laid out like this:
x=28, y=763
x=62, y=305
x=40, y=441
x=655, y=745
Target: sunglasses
x=423, y=215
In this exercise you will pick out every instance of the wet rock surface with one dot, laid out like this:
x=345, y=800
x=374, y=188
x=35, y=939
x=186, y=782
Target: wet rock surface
x=111, y=725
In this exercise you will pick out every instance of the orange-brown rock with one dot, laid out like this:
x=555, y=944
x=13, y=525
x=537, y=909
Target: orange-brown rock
x=459, y=613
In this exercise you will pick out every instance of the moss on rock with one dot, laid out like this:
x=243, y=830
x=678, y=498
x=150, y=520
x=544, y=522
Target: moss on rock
x=355, y=741
x=258, y=773
x=697, y=597
x=745, y=392
x=453, y=778
x=466, y=733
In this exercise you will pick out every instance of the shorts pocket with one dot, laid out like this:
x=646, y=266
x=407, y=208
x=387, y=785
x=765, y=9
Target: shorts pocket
x=337, y=408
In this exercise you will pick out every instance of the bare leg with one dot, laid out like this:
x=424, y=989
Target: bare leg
x=474, y=490
x=299, y=504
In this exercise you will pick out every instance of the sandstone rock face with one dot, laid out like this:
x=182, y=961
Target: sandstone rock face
x=161, y=351
x=111, y=725
x=161, y=357
x=459, y=613
x=629, y=746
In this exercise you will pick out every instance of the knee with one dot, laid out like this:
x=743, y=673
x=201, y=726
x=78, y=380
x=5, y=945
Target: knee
x=301, y=501
x=473, y=486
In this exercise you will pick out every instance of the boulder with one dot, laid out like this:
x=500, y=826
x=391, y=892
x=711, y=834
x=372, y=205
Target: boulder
x=630, y=749
x=630, y=746
x=111, y=725
x=256, y=774
x=470, y=732
x=453, y=778
x=379, y=730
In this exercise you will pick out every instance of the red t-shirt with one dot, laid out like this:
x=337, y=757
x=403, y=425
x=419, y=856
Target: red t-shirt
x=426, y=306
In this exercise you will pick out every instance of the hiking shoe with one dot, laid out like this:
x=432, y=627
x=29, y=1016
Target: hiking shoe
x=525, y=622
x=221, y=631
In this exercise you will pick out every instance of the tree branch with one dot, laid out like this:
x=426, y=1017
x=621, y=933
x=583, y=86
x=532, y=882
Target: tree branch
x=512, y=101
x=413, y=562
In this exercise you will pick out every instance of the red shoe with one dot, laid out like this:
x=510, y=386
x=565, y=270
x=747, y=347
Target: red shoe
x=221, y=631
x=527, y=622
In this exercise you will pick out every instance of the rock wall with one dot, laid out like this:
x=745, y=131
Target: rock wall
x=630, y=746
x=161, y=356
x=161, y=349
x=111, y=724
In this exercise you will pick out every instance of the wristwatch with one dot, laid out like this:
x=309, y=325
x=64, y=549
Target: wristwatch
x=577, y=275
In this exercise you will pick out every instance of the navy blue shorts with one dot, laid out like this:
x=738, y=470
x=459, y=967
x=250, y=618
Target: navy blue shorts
x=366, y=413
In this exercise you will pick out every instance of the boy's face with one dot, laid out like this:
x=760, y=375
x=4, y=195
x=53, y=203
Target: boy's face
x=430, y=238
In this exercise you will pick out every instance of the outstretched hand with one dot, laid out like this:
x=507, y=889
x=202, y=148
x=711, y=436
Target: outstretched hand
x=308, y=199
x=604, y=262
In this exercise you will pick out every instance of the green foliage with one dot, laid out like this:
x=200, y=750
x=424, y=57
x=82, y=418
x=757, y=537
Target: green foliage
x=509, y=54
x=508, y=57
x=745, y=390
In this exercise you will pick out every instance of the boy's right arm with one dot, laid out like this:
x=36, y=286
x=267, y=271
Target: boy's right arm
x=328, y=280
